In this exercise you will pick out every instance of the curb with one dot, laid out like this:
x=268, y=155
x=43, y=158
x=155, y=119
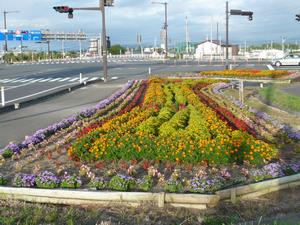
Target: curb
x=29, y=102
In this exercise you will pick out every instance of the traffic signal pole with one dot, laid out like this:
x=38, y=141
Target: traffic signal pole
x=233, y=12
x=104, y=44
x=101, y=7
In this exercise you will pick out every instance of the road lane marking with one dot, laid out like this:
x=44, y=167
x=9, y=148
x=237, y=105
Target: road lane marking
x=17, y=81
x=44, y=80
x=56, y=79
x=74, y=79
x=65, y=79
x=270, y=67
x=94, y=78
x=27, y=80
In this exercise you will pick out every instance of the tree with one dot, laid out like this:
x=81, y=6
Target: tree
x=116, y=49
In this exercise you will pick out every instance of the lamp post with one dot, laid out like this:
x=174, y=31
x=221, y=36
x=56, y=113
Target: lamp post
x=101, y=8
x=233, y=12
x=165, y=25
x=5, y=27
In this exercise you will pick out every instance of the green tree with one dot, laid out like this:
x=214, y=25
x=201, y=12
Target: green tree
x=116, y=49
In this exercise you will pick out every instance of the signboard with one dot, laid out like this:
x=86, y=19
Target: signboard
x=35, y=35
x=21, y=35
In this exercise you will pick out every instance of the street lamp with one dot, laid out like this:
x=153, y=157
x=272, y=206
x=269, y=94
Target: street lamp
x=165, y=25
x=5, y=27
x=101, y=8
x=233, y=12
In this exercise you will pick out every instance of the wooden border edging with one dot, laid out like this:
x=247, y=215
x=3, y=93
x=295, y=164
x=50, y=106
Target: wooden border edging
x=196, y=201
x=261, y=188
x=77, y=197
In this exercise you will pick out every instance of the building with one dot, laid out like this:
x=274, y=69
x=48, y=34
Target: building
x=215, y=49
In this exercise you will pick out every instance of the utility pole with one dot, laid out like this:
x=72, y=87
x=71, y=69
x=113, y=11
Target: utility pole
x=5, y=27
x=165, y=26
x=187, y=47
x=227, y=36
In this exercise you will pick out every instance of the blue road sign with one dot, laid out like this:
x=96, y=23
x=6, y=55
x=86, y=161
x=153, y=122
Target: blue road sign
x=24, y=35
x=35, y=35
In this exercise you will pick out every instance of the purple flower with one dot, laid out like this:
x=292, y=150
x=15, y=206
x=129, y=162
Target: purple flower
x=24, y=180
x=47, y=179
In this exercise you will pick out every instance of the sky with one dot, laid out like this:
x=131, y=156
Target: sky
x=273, y=19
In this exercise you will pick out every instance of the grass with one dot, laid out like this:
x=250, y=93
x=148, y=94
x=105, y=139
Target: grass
x=274, y=96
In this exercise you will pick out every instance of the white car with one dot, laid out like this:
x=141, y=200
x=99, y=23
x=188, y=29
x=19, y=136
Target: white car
x=288, y=60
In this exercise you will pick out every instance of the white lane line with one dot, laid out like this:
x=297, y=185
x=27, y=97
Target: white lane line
x=37, y=80
x=27, y=80
x=65, y=79
x=114, y=78
x=44, y=80
x=85, y=78
x=93, y=78
x=18, y=81
x=8, y=80
x=56, y=79
x=270, y=67
x=74, y=79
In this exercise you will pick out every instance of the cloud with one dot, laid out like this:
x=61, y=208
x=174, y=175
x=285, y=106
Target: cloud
x=272, y=18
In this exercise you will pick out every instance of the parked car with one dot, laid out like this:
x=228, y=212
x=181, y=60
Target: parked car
x=288, y=60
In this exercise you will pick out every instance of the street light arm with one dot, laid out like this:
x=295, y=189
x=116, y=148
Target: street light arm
x=160, y=3
x=87, y=8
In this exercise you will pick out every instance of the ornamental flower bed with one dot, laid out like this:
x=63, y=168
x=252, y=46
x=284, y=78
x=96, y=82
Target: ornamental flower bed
x=174, y=127
x=156, y=135
x=247, y=73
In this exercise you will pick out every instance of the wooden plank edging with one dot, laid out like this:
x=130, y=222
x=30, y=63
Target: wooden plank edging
x=77, y=197
x=198, y=201
x=261, y=187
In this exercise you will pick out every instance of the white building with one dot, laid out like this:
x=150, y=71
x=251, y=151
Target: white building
x=215, y=49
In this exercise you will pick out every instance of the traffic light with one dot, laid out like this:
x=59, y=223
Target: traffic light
x=64, y=9
x=108, y=2
x=298, y=17
x=235, y=12
x=108, y=44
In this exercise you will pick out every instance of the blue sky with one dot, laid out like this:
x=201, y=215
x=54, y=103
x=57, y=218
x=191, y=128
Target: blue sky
x=273, y=19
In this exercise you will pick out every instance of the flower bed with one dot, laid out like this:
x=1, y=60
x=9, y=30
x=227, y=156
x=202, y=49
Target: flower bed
x=156, y=135
x=246, y=73
x=184, y=130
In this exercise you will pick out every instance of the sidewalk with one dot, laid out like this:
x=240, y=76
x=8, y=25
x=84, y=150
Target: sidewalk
x=15, y=125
